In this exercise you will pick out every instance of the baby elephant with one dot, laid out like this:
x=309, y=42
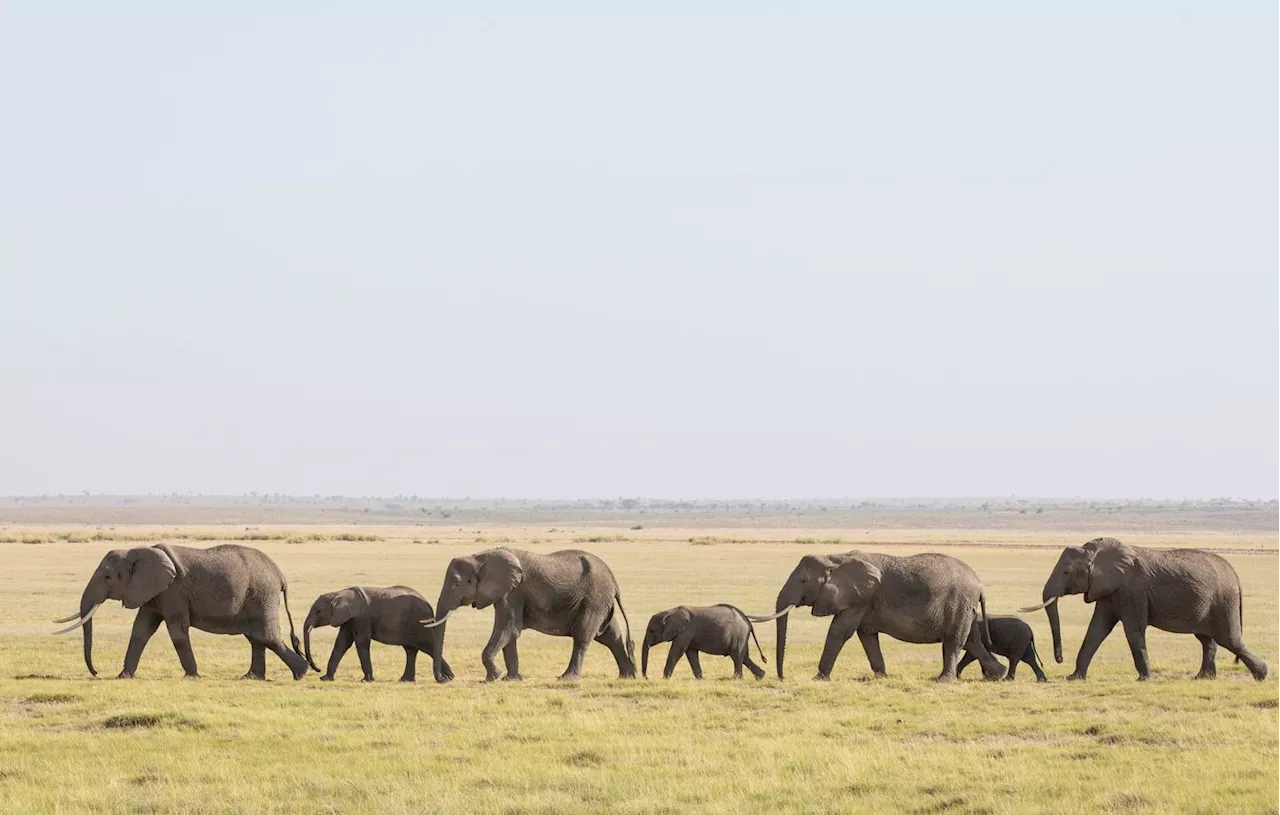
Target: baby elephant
x=360, y=614
x=1010, y=637
x=722, y=630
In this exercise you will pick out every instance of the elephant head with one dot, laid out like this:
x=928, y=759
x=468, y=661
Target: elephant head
x=478, y=580
x=664, y=626
x=853, y=583
x=1097, y=570
x=801, y=589
x=336, y=609
x=134, y=577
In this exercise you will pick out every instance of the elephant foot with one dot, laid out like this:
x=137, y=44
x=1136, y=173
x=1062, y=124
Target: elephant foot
x=627, y=674
x=366, y=680
x=252, y=675
x=1076, y=677
x=821, y=677
x=191, y=676
x=945, y=677
x=1143, y=677
x=125, y=675
x=568, y=676
x=443, y=680
x=327, y=678
x=1261, y=673
x=1007, y=678
x=1042, y=679
x=513, y=678
x=406, y=679
x=1207, y=675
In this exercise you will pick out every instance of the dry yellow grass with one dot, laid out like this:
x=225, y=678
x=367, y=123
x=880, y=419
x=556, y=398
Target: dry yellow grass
x=161, y=743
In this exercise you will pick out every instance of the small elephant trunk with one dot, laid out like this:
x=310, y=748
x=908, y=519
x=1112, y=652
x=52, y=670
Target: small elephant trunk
x=306, y=638
x=644, y=657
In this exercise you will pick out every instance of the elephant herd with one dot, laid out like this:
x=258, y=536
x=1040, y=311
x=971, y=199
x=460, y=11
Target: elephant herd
x=924, y=598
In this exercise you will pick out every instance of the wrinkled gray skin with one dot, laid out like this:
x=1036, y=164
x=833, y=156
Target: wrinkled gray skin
x=1185, y=591
x=566, y=594
x=226, y=589
x=1010, y=637
x=923, y=598
x=722, y=630
x=365, y=614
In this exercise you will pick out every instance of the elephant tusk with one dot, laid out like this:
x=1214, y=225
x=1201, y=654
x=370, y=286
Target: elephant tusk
x=81, y=621
x=773, y=616
x=433, y=622
x=1038, y=607
x=69, y=618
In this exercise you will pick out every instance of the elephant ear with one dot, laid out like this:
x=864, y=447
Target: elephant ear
x=1114, y=564
x=347, y=604
x=500, y=572
x=150, y=572
x=675, y=621
x=854, y=581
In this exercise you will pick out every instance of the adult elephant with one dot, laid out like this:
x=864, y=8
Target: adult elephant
x=926, y=598
x=568, y=594
x=1185, y=591
x=225, y=589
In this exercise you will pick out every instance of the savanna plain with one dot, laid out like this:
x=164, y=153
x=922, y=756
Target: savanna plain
x=161, y=743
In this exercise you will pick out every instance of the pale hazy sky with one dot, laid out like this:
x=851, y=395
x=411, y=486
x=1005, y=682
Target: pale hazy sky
x=857, y=249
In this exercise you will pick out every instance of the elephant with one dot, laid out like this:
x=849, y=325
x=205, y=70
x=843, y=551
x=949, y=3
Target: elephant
x=226, y=589
x=721, y=629
x=1010, y=637
x=364, y=614
x=569, y=593
x=923, y=598
x=1184, y=591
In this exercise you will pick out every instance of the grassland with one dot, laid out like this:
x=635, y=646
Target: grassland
x=164, y=744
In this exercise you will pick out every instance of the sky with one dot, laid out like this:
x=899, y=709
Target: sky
x=551, y=250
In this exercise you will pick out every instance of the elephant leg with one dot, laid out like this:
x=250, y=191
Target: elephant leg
x=1100, y=625
x=574, y=672
x=144, y=625
x=614, y=638
x=502, y=636
x=1208, y=657
x=737, y=664
x=410, y=664
x=950, y=657
x=511, y=656
x=257, y=660
x=972, y=643
x=695, y=663
x=966, y=660
x=340, y=646
x=296, y=664
x=1135, y=631
x=1014, y=658
x=755, y=669
x=841, y=629
x=366, y=662
x=679, y=646
x=178, y=632
x=1236, y=646
x=871, y=645
x=1030, y=659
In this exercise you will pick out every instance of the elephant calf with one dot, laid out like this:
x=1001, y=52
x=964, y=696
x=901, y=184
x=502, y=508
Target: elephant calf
x=363, y=615
x=722, y=630
x=1010, y=637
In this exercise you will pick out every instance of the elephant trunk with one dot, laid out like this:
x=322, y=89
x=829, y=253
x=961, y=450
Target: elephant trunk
x=1056, y=628
x=784, y=605
x=444, y=608
x=644, y=658
x=94, y=595
x=306, y=638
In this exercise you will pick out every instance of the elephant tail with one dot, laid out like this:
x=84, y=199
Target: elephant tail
x=1035, y=655
x=1241, y=590
x=293, y=636
x=631, y=646
x=986, y=629
x=751, y=629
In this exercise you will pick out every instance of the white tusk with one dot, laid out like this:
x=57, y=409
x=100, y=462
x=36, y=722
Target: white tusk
x=433, y=623
x=773, y=616
x=1037, y=608
x=81, y=621
x=69, y=618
